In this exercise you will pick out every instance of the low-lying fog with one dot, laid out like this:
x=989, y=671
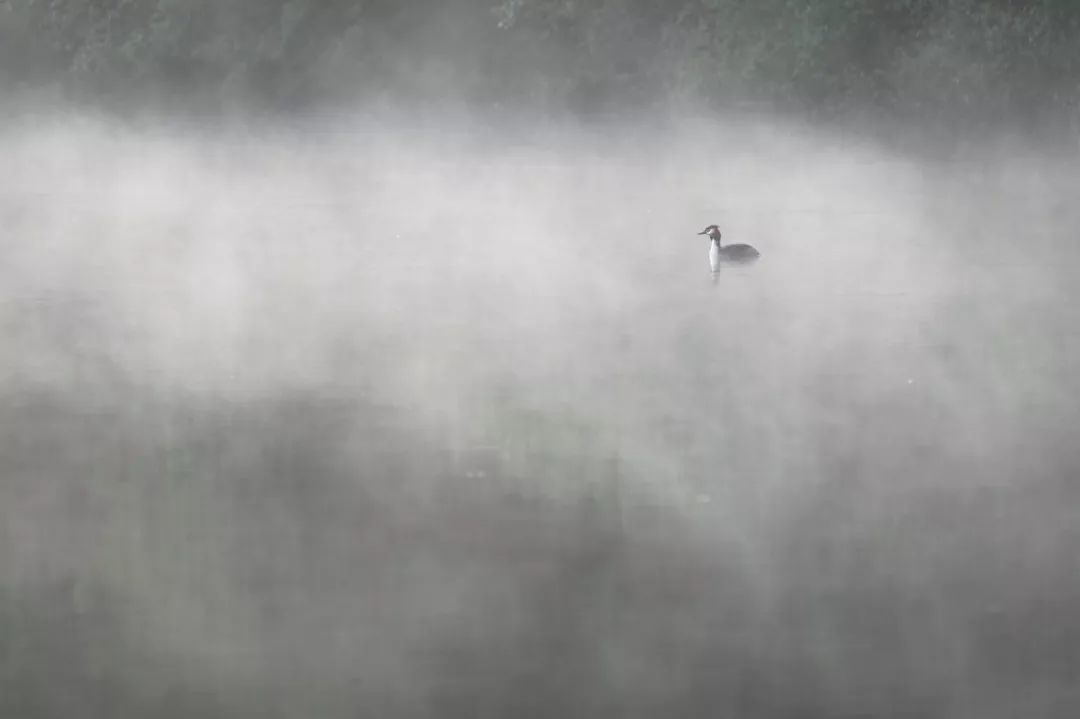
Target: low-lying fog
x=376, y=420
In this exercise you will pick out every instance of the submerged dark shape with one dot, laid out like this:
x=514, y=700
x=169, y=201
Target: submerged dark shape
x=739, y=254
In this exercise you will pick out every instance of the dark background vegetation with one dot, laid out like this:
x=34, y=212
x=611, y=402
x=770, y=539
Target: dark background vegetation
x=420, y=420
x=950, y=61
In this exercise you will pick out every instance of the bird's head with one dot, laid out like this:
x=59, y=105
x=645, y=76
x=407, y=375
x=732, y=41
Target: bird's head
x=712, y=231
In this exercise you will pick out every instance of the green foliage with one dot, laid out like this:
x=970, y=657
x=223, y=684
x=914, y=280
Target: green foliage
x=908, y=55
x=922, y=56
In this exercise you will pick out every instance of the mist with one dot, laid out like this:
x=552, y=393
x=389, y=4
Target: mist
x=369, y=415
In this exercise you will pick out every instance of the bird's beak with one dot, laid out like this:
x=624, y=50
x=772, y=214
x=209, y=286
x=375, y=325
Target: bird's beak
x=703, y=232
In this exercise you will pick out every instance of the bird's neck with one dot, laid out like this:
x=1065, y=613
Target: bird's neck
x=715, y=239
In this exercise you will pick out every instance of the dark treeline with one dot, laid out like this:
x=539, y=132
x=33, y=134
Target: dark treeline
x=958, y=59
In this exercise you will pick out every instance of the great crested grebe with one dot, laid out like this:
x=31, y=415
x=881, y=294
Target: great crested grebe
x=731, y=254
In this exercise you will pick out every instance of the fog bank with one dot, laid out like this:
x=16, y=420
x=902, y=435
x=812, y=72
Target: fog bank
x=363, y=418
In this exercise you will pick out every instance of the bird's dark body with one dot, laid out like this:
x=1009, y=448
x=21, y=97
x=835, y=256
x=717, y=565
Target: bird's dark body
x=739, y=253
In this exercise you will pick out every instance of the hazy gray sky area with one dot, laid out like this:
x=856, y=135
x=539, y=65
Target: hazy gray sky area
x=374, y=410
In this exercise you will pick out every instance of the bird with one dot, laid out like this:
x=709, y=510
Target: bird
x=731, y=254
